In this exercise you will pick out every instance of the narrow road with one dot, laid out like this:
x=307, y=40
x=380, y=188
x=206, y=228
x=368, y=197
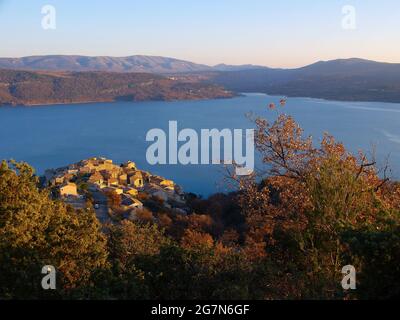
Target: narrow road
x=101, y=207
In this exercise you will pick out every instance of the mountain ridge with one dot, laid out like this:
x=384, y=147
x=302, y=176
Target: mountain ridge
x=352, y=79
x=146, y=64
x=79, y=63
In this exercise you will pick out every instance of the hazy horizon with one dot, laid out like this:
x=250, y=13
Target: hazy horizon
x=210, y=65
x=234, y=32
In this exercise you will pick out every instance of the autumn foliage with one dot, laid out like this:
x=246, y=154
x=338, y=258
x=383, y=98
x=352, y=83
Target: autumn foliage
x=285, y=233
x=307, y=207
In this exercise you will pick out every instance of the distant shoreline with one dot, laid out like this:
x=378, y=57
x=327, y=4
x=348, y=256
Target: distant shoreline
x=237, y=95
x=32, y=105
x=321, y=99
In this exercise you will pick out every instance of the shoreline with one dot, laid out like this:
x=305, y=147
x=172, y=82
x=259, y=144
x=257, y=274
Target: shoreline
x=319, y=99
x=236, y=95
x=108, y=101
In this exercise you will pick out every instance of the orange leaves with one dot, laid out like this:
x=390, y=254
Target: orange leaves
x=144, y=215
x=305, y=189
x=193, y=239
x=282, y=103
x=282, y=146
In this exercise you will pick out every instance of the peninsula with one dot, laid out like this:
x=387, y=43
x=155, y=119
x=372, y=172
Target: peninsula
x=45, y=87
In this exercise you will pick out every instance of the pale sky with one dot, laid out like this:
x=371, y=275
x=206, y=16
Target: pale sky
x=278, y=33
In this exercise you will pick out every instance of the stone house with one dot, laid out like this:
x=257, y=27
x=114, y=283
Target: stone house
x=112, y=182
x=169, y=184
x=136, y=180
x=58, y=180
x=123, y=179
x=129, y=165
x=68, y=189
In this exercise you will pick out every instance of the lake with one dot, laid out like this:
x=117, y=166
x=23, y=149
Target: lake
x=54, y=136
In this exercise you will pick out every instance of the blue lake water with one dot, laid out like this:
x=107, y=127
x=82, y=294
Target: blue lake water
x=54, y=136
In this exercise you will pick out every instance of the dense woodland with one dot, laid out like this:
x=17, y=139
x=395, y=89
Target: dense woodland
x=285, y=233
x=30, y=88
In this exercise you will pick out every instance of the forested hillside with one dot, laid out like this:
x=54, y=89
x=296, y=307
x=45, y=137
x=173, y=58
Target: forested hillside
x=29, y=88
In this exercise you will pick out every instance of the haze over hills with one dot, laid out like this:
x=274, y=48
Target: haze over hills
x=147, y=64
x=227, y=67
x=137, y=63
x=342, y=79
x=158, y=64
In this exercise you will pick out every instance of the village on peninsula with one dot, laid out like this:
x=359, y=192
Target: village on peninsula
x=114, y=190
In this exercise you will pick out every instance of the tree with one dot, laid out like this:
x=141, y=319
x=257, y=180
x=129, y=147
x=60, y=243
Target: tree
x=130, y=246
x=36, y=231
x=303, y=201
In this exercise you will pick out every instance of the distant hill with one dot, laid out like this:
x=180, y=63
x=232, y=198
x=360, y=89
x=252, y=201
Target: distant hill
x=343, y=79
x=227, y=67
x=138, y=63
x=30, y=88
x=147, y=64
